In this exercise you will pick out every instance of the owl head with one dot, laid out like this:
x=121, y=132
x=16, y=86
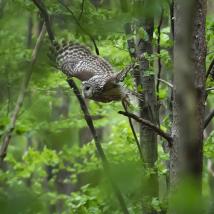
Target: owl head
x=87, y=90
x=98, y=86
x=94, y=86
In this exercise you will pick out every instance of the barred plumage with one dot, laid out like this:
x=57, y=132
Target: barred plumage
x=100, y=83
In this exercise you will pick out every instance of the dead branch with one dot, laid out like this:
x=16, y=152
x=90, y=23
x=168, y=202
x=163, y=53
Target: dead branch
x=166, y=83
x=133, y=132
x=208, y=119
x=210, y=70
x=46, y=17
x=80, y=26
x=150, y=125
x=82, y=9
x=97, y=142
x=209, y=89
x=89, y=121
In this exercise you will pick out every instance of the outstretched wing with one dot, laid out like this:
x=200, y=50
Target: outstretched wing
x=76, y=60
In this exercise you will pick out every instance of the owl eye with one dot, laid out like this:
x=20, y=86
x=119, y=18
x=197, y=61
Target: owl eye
x=87, y=88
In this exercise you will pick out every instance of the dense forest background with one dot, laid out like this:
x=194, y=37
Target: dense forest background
x=50, y=160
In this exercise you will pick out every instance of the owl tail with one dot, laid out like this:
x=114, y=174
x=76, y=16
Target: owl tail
x=122, y=74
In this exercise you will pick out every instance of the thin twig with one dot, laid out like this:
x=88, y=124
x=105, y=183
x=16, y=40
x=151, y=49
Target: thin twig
x=208, y=119
x=209, y=89
x=133, y=132
x=207, y=92
x=20, y=99
x=78, y=23
x=210, y=69
x=150, y=125
x=166, y=83
x=82, y=9
x=46, y=17
x=158, y=52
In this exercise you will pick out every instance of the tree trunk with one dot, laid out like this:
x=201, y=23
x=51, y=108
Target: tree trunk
x=189, y=83
x=148, y=109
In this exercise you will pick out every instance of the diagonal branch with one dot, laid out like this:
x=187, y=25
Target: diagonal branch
x=46, y=17
x=82, y=9
x=170, y=85
x=208, y=119
x=90, y=126
x=78, y=23
x=150, y=125
x=97, y=143
x=20, y=99
x=133, y=132
x=210, y=70
x=209, y=89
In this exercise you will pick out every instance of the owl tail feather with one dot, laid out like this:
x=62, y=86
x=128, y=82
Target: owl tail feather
x=122, y=74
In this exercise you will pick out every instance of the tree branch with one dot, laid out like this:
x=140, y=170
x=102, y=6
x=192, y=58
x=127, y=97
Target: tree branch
x=210, y=70
x=82, y=9
x=78, y=23
x=20, y=99
x=208, y=119
x=166, y=83
x=133, y=132
x=209, y=89
x=150, y=125
x=46, y=17
x=90, y=125
x=97, y=143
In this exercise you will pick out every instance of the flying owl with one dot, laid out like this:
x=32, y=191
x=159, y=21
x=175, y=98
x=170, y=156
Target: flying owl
x=99, y=82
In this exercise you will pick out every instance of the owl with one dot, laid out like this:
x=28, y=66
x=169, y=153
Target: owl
x=99, y=82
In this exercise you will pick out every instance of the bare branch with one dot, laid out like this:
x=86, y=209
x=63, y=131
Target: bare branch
x=90, y=125
x=166, y=83
x=208, y=119
x=133, y=132
x=150, y=125
x=207, y=92
x=209, y=89
x=82, y=9
x=46, y=17
x=78, y=23
x=97, y=142
x=210, y=70
x=20, y=99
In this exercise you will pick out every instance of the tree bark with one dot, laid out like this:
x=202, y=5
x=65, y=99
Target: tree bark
x=189, y=91
x=148, y=109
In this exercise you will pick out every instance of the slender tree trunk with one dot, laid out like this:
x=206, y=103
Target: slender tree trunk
x=148, y=109
x=189, y=82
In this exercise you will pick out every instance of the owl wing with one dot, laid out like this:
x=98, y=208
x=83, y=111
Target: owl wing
x=76, y=60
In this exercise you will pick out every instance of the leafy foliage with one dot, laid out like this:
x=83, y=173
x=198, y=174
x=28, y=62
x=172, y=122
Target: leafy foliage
x=52, y=165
